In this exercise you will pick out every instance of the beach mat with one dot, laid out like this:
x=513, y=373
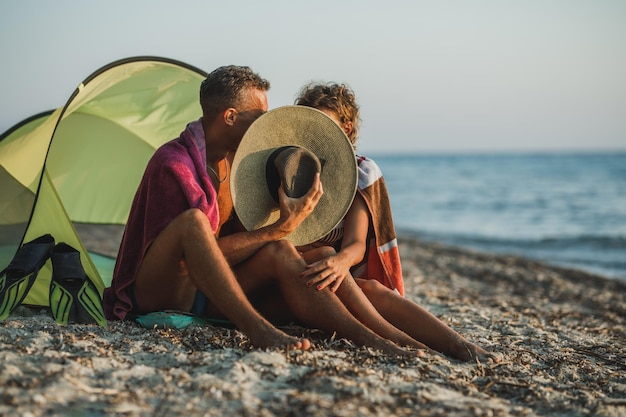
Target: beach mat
x=177, y=320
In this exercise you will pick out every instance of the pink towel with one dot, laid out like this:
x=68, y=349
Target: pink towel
x=174, y=180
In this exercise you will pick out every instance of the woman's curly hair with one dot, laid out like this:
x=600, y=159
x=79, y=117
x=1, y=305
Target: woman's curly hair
x=338, y=98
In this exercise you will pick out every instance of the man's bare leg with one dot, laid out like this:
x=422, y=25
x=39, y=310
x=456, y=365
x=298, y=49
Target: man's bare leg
x=281, y=262
x=161, y=285
x=419, y=323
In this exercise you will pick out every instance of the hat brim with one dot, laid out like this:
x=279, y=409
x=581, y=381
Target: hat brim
x=304, y=127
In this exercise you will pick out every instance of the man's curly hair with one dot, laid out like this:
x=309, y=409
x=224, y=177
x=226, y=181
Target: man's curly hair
x=224, y=88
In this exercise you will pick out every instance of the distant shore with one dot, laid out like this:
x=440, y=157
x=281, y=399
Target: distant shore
x=560, y=335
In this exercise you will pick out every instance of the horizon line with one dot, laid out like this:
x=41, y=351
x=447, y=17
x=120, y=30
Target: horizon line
x=496, y=152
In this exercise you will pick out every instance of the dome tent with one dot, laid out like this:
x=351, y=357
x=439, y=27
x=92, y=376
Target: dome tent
x=73, y=172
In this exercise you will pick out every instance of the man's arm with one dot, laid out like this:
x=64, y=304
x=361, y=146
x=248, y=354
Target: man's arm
x=238, y=247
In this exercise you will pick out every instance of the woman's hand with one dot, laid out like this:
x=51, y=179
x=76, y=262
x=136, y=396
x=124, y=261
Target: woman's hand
x=330, y=271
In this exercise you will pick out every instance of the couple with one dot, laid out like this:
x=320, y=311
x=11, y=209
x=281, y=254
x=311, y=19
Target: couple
x=184, y=249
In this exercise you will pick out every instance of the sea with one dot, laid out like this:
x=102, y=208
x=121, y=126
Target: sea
x=565, y=209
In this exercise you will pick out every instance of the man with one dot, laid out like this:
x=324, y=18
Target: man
x=169, y=251
x=170, y=259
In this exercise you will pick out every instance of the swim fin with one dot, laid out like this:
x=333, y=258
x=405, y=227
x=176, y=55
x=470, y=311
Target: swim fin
x=17, y=278
x=73, y=296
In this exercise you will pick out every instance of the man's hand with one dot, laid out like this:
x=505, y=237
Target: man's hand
x=239, y=246
x=293, y=211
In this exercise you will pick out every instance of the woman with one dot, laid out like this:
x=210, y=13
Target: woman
x=363, y=246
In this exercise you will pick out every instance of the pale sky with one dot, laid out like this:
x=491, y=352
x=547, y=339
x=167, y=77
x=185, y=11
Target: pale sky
x=432, y=75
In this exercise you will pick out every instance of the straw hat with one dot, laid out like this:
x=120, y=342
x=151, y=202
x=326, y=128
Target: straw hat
x=290, y=144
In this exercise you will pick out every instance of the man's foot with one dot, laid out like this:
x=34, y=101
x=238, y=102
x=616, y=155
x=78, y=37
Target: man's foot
x=271, y=337
x=295, y=343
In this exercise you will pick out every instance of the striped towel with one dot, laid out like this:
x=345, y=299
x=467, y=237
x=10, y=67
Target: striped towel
x=383, y=256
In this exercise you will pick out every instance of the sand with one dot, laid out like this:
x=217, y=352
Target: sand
x=560, y=335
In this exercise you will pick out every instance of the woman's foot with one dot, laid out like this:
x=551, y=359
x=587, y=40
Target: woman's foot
x=466, y=351
x=390, y=348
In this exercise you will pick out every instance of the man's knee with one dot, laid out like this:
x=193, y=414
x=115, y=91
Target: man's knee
x=282, y=259
x=190, y=227
x=192, y=217
x=280, y=249
x=192, y=220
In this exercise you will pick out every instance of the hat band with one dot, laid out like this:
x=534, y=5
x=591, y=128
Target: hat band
x=293, y=166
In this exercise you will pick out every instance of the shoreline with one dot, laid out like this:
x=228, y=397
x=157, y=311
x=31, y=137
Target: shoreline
x=599, y=271
x=560, y=334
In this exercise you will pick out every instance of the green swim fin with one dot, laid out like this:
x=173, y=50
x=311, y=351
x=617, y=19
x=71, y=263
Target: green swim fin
x=17, y=278
x=73, y=296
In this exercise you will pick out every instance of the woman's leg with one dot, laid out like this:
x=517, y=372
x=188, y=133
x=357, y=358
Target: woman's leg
x=279, y=262
x=363, y=309
x=358, y=304
x=418, y=322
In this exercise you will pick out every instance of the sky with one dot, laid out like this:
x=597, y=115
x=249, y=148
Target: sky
x=429, y=75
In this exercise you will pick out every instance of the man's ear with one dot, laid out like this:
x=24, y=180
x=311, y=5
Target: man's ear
x=230, y=115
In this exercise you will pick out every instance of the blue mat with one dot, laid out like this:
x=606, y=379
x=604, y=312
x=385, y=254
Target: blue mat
x=177, y=320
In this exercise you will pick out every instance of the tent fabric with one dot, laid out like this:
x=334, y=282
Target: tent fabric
x=78, y=167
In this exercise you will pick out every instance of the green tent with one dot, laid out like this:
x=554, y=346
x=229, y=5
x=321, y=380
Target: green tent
x=73, y=172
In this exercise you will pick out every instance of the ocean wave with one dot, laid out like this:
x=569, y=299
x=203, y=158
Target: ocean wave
x=603, y=255
x=596, y=241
